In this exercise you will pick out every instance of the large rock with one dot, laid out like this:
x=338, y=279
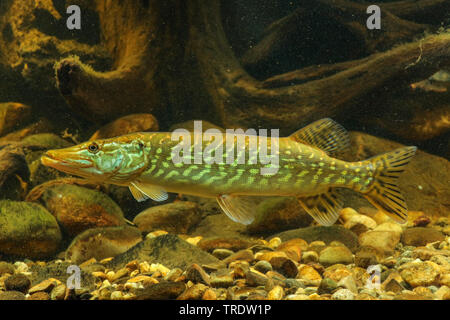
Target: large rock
x=385, y=241
x=219, y=225
x=419, y=273
x=100, y=243
x=42, y=125
x=38, y=172
x=169, y=250
x=61, y=272
x=421, y=236
x=27, y=229
x=325, y=234
x=279, y=214
x=139, y=122
x=424, y=183
x=176, y=217
x=12, y=116
x=78, y=209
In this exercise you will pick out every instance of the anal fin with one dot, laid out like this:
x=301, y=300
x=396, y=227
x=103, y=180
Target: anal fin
x=324, y=207
x=143, y=191
x=240, y=209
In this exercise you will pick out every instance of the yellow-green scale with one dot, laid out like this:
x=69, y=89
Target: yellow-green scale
x=301, y=169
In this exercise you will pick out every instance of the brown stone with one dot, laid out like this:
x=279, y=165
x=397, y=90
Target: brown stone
x=284, y=265
x=176, y=217
x=233, y=244
x=195, y=273
x=161, y=291
x=139, y=122
x=420, y=236
x=41, y=295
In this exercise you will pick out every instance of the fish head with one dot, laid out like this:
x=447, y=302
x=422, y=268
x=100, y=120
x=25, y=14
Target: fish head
x=115, y=160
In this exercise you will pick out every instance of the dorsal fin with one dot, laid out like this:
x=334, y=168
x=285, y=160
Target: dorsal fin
x=325, y=134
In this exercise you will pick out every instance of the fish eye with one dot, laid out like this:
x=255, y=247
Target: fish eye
x=141, y=145
x=93, y=147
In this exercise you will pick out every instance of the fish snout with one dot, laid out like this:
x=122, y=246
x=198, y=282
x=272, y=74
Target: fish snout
x=66, y=158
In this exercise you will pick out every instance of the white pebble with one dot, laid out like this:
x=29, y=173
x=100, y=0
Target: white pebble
x=343, y=294
x=116, y=295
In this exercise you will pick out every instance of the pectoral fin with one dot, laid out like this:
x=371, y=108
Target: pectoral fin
x=239, y=208
x=324, y=208
x=137, y=194
x=142, y=191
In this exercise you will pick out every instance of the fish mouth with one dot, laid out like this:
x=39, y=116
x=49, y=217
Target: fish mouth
x=64, y=160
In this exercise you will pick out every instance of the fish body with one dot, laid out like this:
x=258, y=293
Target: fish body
x=239, y=169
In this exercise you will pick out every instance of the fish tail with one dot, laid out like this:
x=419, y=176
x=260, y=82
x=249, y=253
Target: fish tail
x=384, y=192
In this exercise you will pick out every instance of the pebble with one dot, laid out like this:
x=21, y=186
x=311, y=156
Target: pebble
x=263, y=266
x=343, y=294
x=348, y=283
x=335, y=255
x=277, y=293
x=240, y=268
x=173, y=274
x=196, y=274
x=443, y=293
x=255, y=278
x=310, y=256
x=209, y=295
x=145, y=280
x=419, y=273
x=17, y=282
x=347, y=213
x=102, y=243
x=337, y=272
x=390, y=226
x=243, y=255
x=155, y=234
x=58, y=292
x=360, y=223
x=327, y=285
x=233, y=244
x=176, y=217
x=420, y=236
x=194, y=292
x=222, y=253
x=274, y=242
x=267, y=256
x=116, y=295
x=367, y=256
x=6, y=267
x=309, y=275
x=161, y=291
x=222, y=279
x=46, y=285
x=285, y=266
x=21, y=267
x=12, y=295
x=41, y=295
x=385, y=241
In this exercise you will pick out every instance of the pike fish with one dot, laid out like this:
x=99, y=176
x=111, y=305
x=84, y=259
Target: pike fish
x=306, y=169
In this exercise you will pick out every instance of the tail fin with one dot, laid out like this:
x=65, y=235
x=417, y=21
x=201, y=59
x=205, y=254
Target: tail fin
x=384, y=193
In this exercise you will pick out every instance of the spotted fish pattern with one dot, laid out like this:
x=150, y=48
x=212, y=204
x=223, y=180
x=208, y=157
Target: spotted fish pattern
x=230, y=169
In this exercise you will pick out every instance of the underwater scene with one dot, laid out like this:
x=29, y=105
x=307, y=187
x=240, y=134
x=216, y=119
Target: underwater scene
x=224, y=150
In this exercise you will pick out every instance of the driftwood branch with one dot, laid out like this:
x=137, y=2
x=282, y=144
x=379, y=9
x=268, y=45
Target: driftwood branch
x=174, y=55
x=344, y=35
